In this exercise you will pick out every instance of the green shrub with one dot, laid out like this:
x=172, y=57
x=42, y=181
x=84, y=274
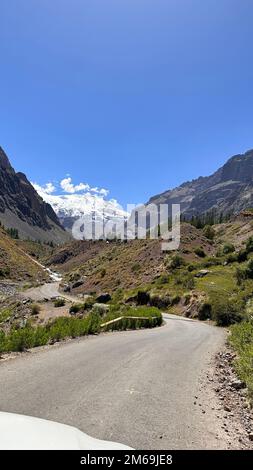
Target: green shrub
x=21, y=339
x=231, y=258
x=185, y=279
x=205, y=311
x=2, y=341
x=226, y=311
x=249, y=269
x=160, y=301
x=189, y=282
x=175, y=299
x=136, y=267
x=209, y=232
x=176, y=261
x=163, y=279
x=228, y=248
x=249, y=245
x=5, y=313
x=76, y=308
x=103, y=272
x=35, y=309
x=240, y=275
x=191, y=267
x=5, y=272
x=199, y=252
x=242, y=256
x=143, y=298
x=244, y=273
x=59, y=303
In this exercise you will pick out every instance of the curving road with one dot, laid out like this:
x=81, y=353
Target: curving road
x=134, y=387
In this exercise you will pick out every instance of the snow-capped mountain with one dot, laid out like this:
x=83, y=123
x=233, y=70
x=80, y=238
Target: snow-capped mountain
x=71, y=207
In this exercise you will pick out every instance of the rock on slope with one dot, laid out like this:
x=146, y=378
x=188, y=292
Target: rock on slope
x=228, y=190
x=21, y=207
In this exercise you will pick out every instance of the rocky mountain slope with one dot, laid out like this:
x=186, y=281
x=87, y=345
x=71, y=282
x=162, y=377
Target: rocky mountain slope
x=228, y=190
x=22, y=208
x=15, y=265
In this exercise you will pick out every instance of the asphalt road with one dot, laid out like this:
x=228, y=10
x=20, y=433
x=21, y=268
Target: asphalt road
x=137, y=387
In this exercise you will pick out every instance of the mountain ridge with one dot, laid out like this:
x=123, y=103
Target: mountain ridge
x=228, y=190
x=21, y=206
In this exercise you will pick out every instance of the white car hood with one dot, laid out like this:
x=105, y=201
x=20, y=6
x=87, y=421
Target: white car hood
x=26, y=433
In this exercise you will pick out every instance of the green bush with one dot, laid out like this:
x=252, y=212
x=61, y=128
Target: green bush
x=191, y=267
x=209, y=232
x=143, y=297
x=160, y=301
x=249, y=269
x=35, y=309
x=76, y=308
x=185, y=279
x=240, y=275
x=59, y=303
x=226, y=311
x=244, y=273
x=162, y=280
x=5, y=272
x=176, y=261
x=136, y=267
x=200, y=252
x=242, y=256
x=249, y=245
x=205, y=311
x=228, y=248
x=175, y=299
x=232, y=258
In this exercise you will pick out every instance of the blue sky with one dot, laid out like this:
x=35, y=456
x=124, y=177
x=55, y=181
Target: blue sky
x=134, y=96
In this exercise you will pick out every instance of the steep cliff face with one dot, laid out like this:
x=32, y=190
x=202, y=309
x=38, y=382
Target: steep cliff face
x=229, y=189
x=21, y=206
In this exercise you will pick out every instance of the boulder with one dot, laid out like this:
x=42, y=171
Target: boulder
x=202, y=273
x=103, y=298
x=77, y=284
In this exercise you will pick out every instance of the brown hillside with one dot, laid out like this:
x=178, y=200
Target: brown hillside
x=15, y=264
x=105, y=266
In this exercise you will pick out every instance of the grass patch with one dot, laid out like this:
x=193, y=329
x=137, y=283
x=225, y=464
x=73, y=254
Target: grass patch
x=5, y=314
x=65, y=327
x=142, y=317
x=221, y=280
x=241, y=339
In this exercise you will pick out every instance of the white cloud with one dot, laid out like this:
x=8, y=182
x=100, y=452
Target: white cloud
x=79, y=199
x=69, y=187
x=104, y=192
x=48, y=188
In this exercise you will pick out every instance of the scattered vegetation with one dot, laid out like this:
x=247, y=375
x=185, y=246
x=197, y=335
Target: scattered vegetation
x=35, y=309
x=70, y=327
x=176, y=262
x=199, y=252
x=209, y=232
x=13, y=233
x=242, y=341
x=59, y=302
